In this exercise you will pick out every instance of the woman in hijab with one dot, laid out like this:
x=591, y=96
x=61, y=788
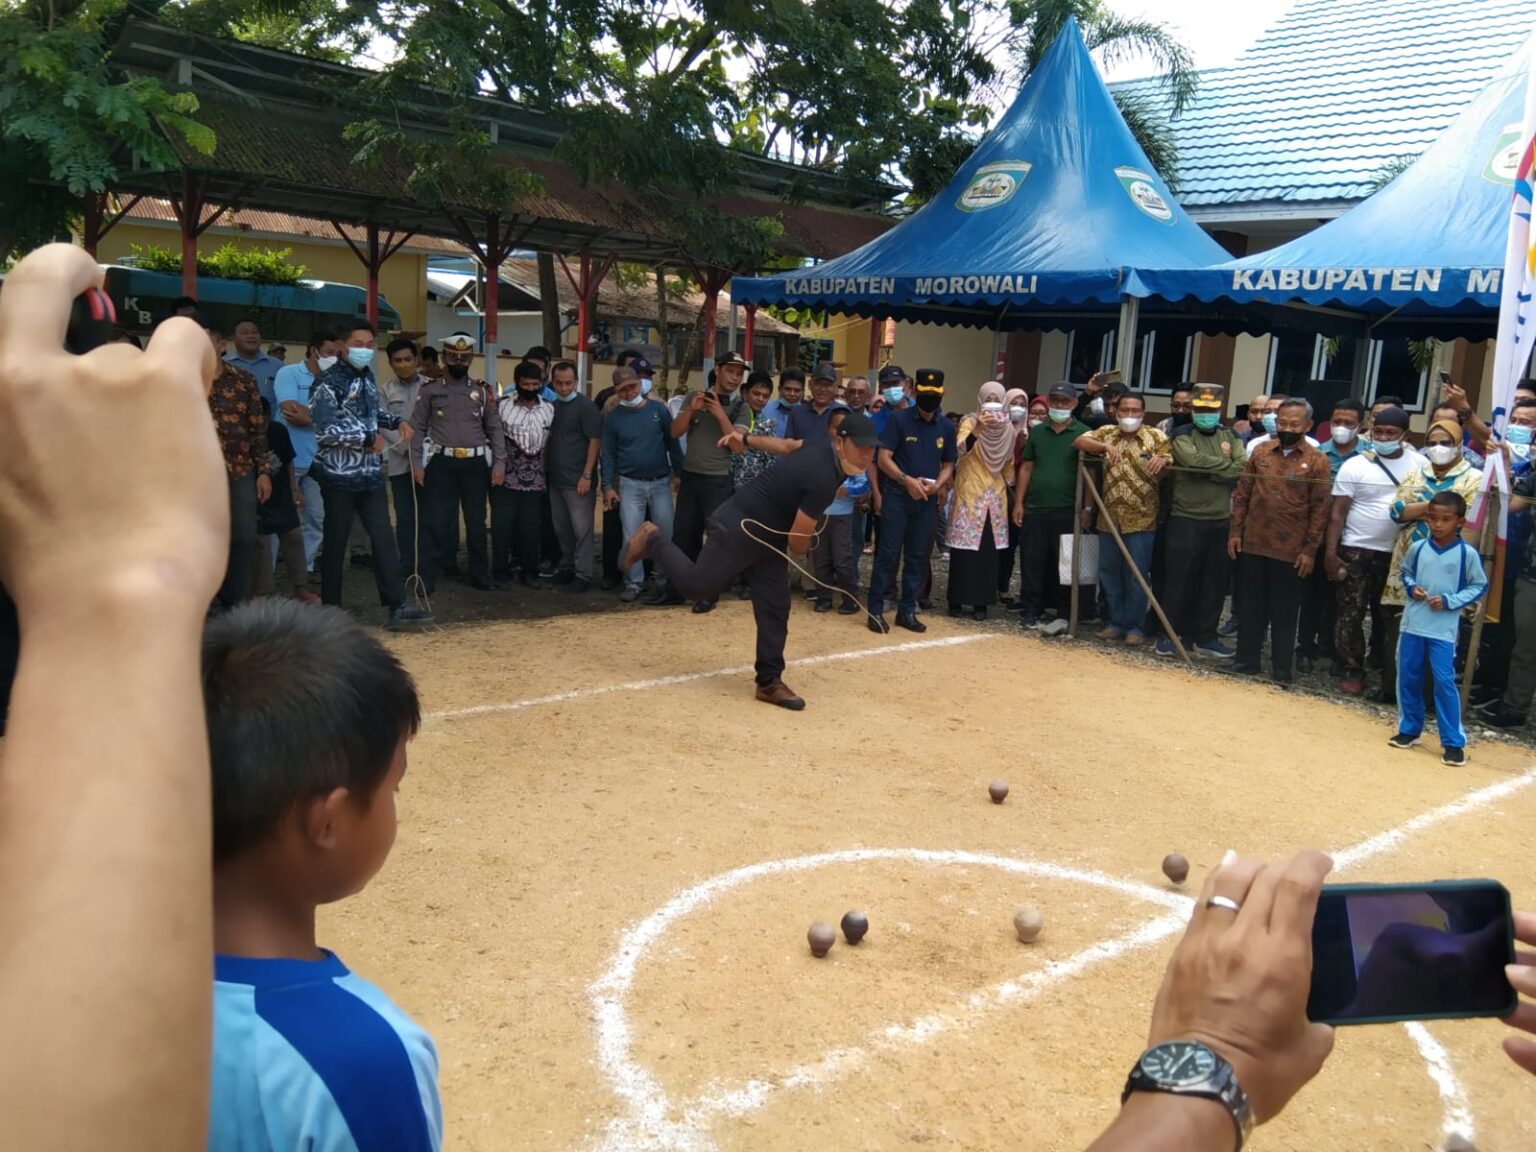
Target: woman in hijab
x=1018, y=415
x=978, y=518
x=1445, y=470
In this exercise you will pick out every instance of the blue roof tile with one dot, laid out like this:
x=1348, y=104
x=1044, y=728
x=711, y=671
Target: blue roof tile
x=1332, y=93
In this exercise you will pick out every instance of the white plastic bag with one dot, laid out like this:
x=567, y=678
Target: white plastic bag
x=1087, y=563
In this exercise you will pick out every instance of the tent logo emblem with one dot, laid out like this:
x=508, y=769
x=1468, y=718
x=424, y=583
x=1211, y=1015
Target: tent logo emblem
x=1505, y=161
x=993, y=184
x=1142, y=190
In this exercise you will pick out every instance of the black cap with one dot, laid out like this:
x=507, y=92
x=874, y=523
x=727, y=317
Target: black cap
x=892, y=374
x=1391, y=418
x=860, y=429
x=929, y=378
x=1062, y=391
x=642, y=366
x=730, y=358
x=825, y=370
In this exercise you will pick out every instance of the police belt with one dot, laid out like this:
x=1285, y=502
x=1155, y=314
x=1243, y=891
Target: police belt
x=460, y=453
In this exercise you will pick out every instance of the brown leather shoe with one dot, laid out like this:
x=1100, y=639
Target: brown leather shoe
x=639, y=546
x=778, y=693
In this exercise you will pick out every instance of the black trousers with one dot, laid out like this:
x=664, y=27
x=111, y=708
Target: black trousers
x=454, y=485
x=613, y=542
x=1319, y=610
x=1039, y=547
x=1195, y=575
x=371, y=507
x=1270, y=607
x=730, y=553
x=517, y=520
x=698, y=498
x=407, y=497
x=832, y=560
x=236, y=588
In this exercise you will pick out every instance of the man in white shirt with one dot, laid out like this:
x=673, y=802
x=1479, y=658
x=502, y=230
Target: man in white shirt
x=1361, y=533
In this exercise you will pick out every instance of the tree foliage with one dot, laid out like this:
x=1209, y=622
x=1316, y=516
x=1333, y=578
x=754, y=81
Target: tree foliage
x=259, y=265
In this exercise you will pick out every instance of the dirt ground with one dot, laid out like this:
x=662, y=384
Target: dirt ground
x=563, y=909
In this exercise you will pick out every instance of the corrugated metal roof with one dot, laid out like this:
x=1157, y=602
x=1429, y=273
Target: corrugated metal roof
x=1333, y=93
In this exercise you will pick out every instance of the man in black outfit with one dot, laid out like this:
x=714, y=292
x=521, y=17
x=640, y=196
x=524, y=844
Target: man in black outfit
x=788, y=500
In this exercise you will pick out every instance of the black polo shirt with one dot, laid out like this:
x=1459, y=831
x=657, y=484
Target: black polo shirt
x=920, y=447
x=809, y=426
x=804, y=481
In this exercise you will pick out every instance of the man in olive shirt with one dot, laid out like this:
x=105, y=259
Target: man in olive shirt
x=1044, y=501
x=704, y=418
x=1208, y=458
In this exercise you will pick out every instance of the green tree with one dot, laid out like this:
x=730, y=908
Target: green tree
x=69, y=124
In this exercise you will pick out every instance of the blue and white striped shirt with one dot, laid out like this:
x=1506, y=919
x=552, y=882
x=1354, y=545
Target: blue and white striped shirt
x=308, y=1056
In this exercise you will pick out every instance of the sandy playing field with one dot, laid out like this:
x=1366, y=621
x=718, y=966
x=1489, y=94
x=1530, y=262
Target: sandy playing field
x=609, y=855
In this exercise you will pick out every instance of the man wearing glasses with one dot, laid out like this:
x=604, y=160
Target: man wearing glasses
x=458, y=454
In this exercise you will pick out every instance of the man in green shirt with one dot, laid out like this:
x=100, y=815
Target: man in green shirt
x=1208, y=458
x=1044, y=501
x=704, y=419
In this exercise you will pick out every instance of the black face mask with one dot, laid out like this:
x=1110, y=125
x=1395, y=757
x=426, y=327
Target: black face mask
x=929, y=401
x=1288, y=439
x=457, y=371
x=528, y=393
x=1183, y=419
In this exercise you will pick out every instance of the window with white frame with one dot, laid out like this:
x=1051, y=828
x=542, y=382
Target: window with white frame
x=1162, y=362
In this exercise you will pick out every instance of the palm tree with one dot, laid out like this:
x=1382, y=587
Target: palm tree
x=1034, y=24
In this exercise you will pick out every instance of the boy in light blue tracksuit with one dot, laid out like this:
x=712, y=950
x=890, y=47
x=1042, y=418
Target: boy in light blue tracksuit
x=1441, y=576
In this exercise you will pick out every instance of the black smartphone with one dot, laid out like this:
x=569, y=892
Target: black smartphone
x=1383, y=953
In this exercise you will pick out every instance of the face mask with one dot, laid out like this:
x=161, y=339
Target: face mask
x=1269, y=422
x=569, y=397
x=1387, y=447
x=1036, y=421
x=529, y=393
x=850, y=469
x=633, y=402
x=325, y=363
x=360, y=357
x=1441, y=454
x=1182, y=420
x=894, y=395
x=929, y=401
x=1017, y=414
x=1288, y=439
x=1518, y=434
x=1059, y=415
x=1520, y=451
x=1129, y=424
x=457, y=371
x=645, y=388
x=1366, y=444
x=993, y=406
x=1342, y=436
x=1205, y=421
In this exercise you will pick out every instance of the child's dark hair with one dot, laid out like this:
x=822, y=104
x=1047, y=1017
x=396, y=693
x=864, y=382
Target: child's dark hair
x=1452, y=500
x=299, y=700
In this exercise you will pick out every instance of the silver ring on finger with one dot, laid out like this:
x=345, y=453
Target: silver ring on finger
x=1224, y=902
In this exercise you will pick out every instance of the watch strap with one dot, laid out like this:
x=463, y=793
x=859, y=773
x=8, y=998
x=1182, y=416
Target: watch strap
x=1221, y=1086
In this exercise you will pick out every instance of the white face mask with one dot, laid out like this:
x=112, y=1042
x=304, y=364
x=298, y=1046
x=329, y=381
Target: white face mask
x=993, y=406
x=1342, y=436
x=325, y=363
x=1130, y=424
x=1441, y=454
x=1017, y=413
x=1036, y=421
x=633, y=401
x=1387, y=447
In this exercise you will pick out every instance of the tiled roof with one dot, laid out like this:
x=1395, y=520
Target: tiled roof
x=285, y=224
x=1333, y=93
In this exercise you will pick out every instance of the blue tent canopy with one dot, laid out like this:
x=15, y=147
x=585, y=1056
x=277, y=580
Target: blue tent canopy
x=1048, y=213
x=1427, y=250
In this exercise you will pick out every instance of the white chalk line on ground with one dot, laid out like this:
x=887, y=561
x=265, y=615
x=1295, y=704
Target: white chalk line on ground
x=691, y=677
x=649, y=1123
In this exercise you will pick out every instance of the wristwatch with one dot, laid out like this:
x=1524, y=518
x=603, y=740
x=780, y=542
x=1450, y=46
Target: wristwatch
x=1188, y=1068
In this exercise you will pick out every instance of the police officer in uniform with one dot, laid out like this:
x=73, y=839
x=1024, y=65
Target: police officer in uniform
x=458, y=454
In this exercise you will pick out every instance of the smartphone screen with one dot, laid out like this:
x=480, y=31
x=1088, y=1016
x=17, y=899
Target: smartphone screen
x=1390, y=952
x=1113, y=377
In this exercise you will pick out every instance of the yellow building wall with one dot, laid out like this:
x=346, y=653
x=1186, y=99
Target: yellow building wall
x=964, y=354
x=402, y=279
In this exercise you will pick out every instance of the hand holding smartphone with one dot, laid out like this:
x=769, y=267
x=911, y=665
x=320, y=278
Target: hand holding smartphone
x=1384, y=953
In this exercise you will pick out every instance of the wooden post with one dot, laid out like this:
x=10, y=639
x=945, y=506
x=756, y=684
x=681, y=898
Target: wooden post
x=749, y=333
x=1114, y=530
x=190, y=221
x=1077, y=545
x=1490, y=518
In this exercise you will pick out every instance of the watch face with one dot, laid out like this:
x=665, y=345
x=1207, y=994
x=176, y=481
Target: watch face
x=1178, y=1063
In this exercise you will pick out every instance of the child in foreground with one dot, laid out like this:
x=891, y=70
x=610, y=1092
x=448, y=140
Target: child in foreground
x=1441, y=575
x=308, y=721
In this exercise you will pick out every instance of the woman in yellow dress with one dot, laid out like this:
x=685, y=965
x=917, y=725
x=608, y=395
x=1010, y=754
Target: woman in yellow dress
x=978, y=518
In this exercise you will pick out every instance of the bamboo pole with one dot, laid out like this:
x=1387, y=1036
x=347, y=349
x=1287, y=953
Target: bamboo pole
x=1077, y=546
x=1490, y=518
x=1114, y=530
